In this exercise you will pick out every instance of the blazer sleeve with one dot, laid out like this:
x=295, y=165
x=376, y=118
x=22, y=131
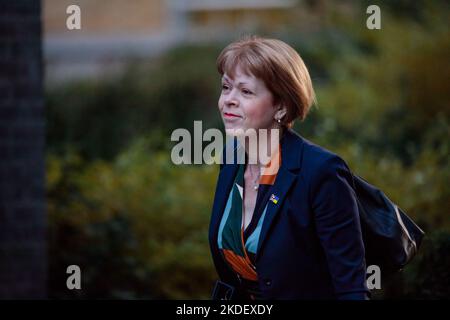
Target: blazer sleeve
x=338, y=228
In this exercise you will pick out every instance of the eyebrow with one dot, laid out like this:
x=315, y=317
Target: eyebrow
x=227, y=79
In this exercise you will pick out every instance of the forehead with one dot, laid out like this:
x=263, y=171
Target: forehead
x=238, y=74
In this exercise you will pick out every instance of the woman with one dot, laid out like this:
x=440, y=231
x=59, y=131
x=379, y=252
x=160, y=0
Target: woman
x=289, y=230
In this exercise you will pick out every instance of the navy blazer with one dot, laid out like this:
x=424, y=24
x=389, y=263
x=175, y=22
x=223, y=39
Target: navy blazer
x=310, y=245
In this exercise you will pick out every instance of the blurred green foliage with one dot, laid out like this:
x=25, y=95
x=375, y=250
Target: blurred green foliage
x=137, y=224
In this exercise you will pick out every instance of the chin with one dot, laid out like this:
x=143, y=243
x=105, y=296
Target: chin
x=233, y=127
x=235, y=130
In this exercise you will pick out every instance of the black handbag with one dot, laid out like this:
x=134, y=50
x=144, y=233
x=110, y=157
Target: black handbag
x=390, y=237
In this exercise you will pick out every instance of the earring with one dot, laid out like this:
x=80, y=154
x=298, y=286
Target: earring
x=279, y=120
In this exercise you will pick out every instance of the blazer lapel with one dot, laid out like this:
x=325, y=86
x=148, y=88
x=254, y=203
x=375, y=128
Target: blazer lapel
x=291, y=154
x=280, y=189
x=224, y=184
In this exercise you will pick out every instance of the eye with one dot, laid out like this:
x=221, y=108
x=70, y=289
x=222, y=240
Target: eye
x=225, y=87
x=246, y=91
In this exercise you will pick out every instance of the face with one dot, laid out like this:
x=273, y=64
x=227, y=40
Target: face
x=246, y=103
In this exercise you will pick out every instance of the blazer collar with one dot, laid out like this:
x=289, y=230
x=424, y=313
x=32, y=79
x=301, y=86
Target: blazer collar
x=292, y=149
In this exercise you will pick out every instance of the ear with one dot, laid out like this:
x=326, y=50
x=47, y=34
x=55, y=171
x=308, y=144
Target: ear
x=281, y=112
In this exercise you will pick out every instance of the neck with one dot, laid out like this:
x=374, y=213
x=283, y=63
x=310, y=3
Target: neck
x=261, y=148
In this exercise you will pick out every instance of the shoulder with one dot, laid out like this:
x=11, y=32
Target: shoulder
x=315, y=160
x=318, y=159
x=326, y=173
x=321, y=170
x=329, y=182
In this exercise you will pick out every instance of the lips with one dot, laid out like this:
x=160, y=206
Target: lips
x=231, y=115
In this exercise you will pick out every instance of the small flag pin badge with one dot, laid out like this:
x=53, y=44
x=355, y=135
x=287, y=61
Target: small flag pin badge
x=274, y=198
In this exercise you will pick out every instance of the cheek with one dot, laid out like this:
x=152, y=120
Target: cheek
x=260, y=111
x=220, y=102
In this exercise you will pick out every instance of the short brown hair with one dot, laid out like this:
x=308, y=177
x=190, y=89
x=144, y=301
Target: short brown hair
x=279, y=66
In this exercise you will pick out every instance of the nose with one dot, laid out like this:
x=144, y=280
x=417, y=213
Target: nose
x=231, y=99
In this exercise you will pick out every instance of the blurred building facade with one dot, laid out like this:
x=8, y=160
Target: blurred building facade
x=113, y=31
